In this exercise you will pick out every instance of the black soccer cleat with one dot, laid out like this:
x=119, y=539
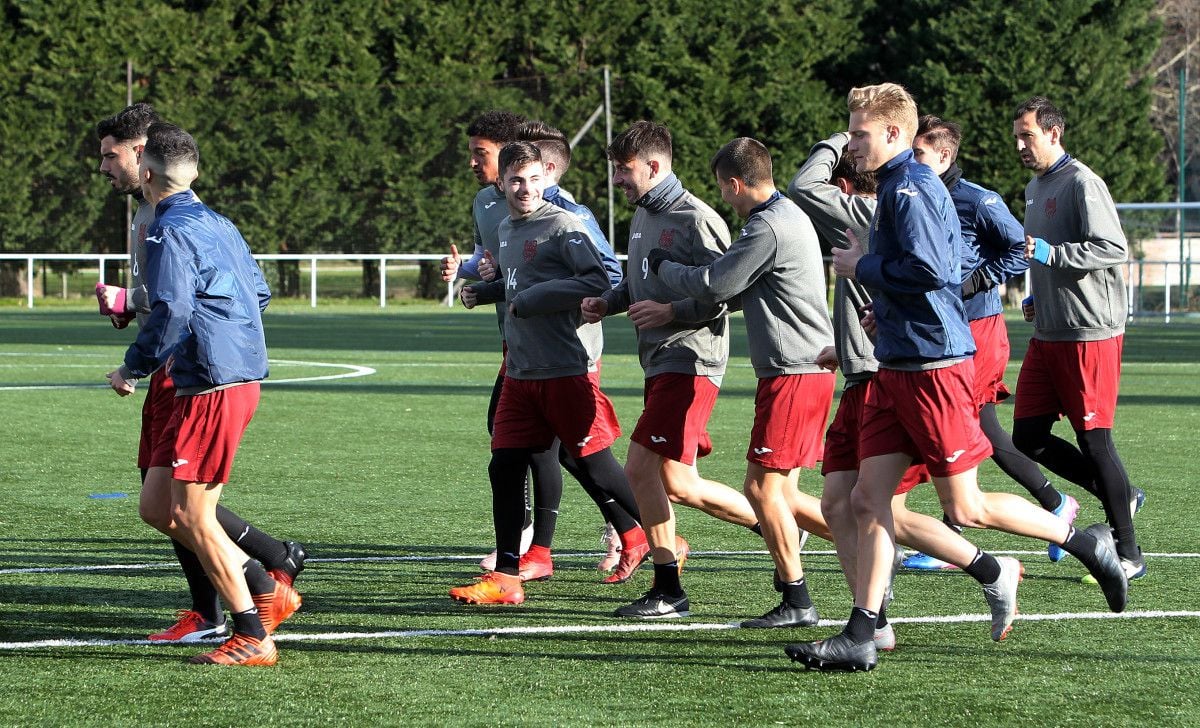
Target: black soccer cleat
x=785, y=615
x=292, y=565
x=1108, y=572
x=838, y=653
x=655, y=605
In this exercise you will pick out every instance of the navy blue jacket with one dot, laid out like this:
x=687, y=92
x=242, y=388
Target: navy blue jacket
x=558, y=197
x=996, y=238
x=913, y=268
x=206, y=299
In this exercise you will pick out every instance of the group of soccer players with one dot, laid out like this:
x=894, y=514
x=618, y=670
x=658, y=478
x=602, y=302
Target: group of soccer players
x=917, y=331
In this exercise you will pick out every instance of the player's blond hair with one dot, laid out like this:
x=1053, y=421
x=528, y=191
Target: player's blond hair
x=891, y=103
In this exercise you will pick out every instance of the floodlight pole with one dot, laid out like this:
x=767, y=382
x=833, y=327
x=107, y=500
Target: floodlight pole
x=607, y=144
x=1185, y=264
x=129, y=198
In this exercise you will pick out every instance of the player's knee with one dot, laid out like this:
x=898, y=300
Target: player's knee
x=968, y=514
x=1028, y=437
x=865, y=505
x=156, y=516
x=836, y=507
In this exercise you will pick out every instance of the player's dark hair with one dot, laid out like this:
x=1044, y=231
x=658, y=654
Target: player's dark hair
x=497, y=126
x=553, y=143
x=641, y=139
x=746, y=159
x=864, y=182
x=939, y=133
x=518, y=154
x=168, y=145
x=128, y=124
x=1047, y=114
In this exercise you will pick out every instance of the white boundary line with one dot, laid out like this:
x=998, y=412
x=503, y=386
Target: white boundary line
x=593, y=629
x=355, y=371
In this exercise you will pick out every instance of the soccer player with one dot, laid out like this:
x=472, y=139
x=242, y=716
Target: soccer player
x=921, y=407
x=1073, y=366
x=122, y=138
x=551, y=389
x=205, y=295
x=683, y=346
x=774, y=268
x=837, y=198
x=998, y=246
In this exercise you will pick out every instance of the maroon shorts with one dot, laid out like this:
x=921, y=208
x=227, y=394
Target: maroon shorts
x=991, y=359
x=790, y=412
x=206, y=430
x=674, y=421
x=841, y=439
x=154, y=450
x=929, y=415
x=532, y=412
x=1079, y=379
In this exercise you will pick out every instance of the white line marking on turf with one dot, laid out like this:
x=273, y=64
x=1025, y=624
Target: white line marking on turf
x=355, y=370
x=473, y=557
x=595, y=629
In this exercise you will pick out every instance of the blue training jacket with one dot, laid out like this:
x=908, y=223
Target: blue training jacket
x=558, y=197
x=997, y=239
x=206, y=296
x=913, y=268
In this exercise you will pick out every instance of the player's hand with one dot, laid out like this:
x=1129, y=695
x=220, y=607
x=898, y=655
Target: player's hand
x=868, y=319
x=120, y=321
x=651, y=314
x=121, y=385
x=450, y=264
x=1027, y=308
x=111, y=300
x=655, y=258
x=468, y=296
x=593, y=309
x=1037, y=249
x=827, y=359
x=487, y=266
x=846, y=260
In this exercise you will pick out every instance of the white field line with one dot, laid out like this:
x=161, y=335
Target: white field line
x=355, y=370
x=472, y=557
x=600, y=629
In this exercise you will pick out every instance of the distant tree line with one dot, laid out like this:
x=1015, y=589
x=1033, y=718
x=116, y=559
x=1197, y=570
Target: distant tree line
x=339, y=127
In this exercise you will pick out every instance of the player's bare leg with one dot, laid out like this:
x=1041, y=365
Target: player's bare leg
x=768, y=491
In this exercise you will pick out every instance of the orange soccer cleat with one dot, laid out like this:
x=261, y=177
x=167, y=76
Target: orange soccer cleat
x=492, y=588
x=632, y=557
x=189, y=627
x=241, y=649
x=277, y=606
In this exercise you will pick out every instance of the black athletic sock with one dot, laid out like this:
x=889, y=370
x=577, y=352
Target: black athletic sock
x=612, y=512
x=249, y=624
x=1081, y=545
x=603, y=471
x=507, y=472
x=1032, y=436
x=984, y=568
x=1015, y=463
x=757, y=528
x=881, y=620
x=1113, y=485
x=861, y=627
x=951, y=524
x=205, y=600
x=270, y=551
x=547, y=494
x=666, y=579
x=257, y=579
x=795, y=594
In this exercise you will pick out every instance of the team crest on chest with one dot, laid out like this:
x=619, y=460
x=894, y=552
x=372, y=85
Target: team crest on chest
x=530, y=249
x=666, y=239
x=1051, y=206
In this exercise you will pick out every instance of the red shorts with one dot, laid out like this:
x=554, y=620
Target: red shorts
x=532, y=412
x=154, y=450
x=991, y=359
x=674, y=420
x=928, y=415
x=790, y=412
x=206, y=430
x=1078, y=379
x=841, y=439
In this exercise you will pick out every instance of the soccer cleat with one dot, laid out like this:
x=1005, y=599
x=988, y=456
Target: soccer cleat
x=241, y=649
x=1133, y=568
x=610, y=541
x=838, y=653
x=890, y=595
x=803, y=539
x=884, y=638
x=925, y=562
x=189, y=627
x=293, y=565
x=492, y=588
x=1109, y=573
x=1001, y=596
x=631, y=558
x=784, y=615
x=655, y=605
x=277, y=606
x=536, y=565
x=1137, y=499
x=489, y=562
x=1067, y=509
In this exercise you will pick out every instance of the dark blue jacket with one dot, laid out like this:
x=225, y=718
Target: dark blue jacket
x=556, y=196
x=913, y=268
x=206, y=299
x=996, y=238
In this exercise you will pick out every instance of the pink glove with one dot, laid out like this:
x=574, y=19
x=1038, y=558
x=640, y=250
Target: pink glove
x=118, y=307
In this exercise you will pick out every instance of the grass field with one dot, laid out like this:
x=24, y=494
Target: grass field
x=383, y=476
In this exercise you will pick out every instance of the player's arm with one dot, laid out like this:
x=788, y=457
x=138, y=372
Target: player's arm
x=170, y=280
x=709, y=243
x=488, y=291
x=1001, y=244
x=588, y=278
x=922, y=264
x=830, y=210
x=725, y=278
x=1103, y=245
x=469, y=268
